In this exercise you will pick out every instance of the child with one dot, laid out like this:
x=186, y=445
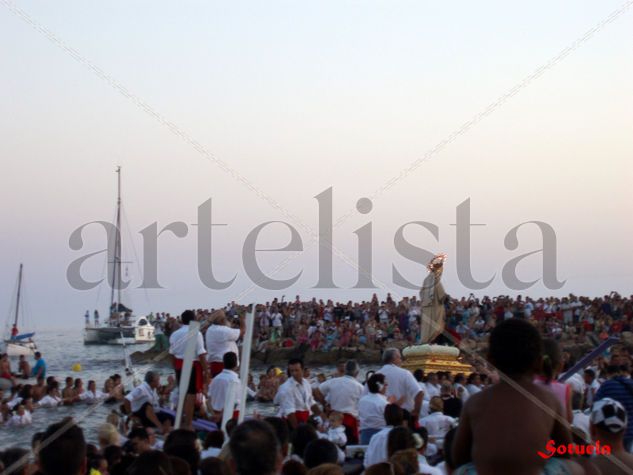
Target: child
x=336, y=430
x=21, y=418
x=504, y=426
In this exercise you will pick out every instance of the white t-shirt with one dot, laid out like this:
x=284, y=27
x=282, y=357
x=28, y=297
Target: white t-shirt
x=342, y=394
x=219, y=387
x=92, y=397
x=220, y=340
x=377, y=449
x=371, y=410
x=437, y=425
x=293, y=396
x=49, y=401
x=142, y=394
x=337, y=436
x=178, y=343
x=431, y=390
x=401, y=382
x=23, y=420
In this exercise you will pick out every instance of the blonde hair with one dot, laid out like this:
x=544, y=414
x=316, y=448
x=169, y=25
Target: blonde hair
x=436, y=404
x=107, y=435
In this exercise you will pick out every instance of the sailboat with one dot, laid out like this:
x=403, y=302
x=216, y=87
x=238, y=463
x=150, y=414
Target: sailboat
x=121, y=326
x=19, y=344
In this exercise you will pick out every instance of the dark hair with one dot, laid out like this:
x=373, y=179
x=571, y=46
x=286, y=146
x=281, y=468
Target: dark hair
x=292, y=361
x=150, y=463
x=138, y=432
x=15, y=455
x=515, y=347
x=400, y=438
x=293, y=467
x=281, y=429
x=418, y=374
x=254, y=448
x=214, y=439
x=113, y=454
x=393, y=415
x=551, y=359
x=423, y=433
x=179, y=466
x=65, y=451
x=182, y=443
x=591, y=373
x=37, y=437
x=448, y=447
x=375, y=382
x=318, y=452
x=187, y=316
x=229, y=359
x=214, y=466
x=471, y=377
x=301, y=437
x=38, y=354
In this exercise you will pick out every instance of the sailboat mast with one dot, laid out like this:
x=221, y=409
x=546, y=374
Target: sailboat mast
x=17, y=305
x=118, y=234
x=116, y=268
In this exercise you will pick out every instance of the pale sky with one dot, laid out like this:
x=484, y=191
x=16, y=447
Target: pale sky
x=296, y=97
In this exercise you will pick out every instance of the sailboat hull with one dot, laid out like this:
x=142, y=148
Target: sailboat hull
x=26, y=348
x=118, y=335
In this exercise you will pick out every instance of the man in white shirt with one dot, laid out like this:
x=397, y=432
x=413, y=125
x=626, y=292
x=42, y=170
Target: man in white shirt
x=294, y=397
x=199, y=373
x=143, y=402
x=221, y=339
x=400, y=383
x=432, y=386
x=377, y=449
x=343, y=394
x=219, y=387
x=92, y=395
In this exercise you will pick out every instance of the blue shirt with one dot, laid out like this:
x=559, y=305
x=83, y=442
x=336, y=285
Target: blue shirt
x=41, y=364
x=620, y=389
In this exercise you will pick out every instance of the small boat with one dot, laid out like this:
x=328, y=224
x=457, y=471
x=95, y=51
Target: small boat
x=18, y=344
x=121, y=327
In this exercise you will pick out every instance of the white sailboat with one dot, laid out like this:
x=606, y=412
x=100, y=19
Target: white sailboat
x=19, y=343
x=121, y=326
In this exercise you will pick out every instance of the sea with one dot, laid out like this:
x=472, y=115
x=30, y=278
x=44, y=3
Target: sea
x=63, y=350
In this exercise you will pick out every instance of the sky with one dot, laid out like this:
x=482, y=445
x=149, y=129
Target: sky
x=263, y=106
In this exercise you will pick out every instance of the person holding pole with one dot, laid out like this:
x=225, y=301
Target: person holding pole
x=343, y=394
x=199, y=372
x=221, y=339
x=218, y=389
x=295, y=395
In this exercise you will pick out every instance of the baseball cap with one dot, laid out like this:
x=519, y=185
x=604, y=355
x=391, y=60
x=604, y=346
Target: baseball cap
x=608, y=414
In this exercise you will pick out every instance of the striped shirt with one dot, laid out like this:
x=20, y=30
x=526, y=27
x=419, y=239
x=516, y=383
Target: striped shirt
x=620, y=389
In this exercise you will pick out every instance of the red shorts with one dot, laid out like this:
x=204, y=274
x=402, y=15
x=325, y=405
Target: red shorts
x=216, y=368
x=196, y=381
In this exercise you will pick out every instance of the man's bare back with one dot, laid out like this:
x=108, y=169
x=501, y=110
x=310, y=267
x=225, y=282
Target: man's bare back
x=503, y=427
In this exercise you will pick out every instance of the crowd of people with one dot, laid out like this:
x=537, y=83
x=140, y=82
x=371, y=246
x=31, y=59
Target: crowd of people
x=323, y=326
x=510, y=415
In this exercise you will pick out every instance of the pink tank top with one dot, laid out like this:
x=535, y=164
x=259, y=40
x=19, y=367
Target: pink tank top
x=560, y=390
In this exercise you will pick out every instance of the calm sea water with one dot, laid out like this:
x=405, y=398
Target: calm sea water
x=63, y=349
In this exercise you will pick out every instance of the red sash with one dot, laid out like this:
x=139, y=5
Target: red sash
x=302, y=416
x=351, y=423
x=197, y=372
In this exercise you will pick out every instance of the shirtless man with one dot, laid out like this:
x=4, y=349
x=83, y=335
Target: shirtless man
x=502, y=428
x=24, y=368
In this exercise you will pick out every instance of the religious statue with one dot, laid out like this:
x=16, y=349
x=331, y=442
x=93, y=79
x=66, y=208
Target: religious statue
x=432, y=301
